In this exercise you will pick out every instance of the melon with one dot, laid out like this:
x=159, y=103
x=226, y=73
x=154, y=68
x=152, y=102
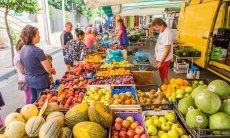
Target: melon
x=2, y=136
x=186, y=104
x=33, y=126
x=208, y=102
x=50, y=129
x=220, y=87
x=88, y=130
x=15, y=129
x=195, y=118
x=29, y=111
x=76, y=114
x=225, y=107
x=197, y=90
x=51, y=107
x=13, y=117
x=65, y=132
x=219, y=120
x=100, y=114
x=59, y=116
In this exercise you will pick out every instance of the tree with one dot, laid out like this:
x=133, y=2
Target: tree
x=19, y=6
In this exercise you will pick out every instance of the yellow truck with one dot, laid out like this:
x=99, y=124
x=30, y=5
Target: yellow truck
x=199, y=22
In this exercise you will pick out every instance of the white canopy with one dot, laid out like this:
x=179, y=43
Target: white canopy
x=142, y=12
x=101, y=3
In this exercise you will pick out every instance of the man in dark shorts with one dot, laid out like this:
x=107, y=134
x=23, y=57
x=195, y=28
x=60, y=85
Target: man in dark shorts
x=65, y=37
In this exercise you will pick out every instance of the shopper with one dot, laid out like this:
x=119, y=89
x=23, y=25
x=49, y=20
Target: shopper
x=122, y=36
x=2, y=103
x=164, y=48
x=21, y=73
x=37, y=67
x=76, y=49
x=53, y=71
x=91, y=39
x=65, y=37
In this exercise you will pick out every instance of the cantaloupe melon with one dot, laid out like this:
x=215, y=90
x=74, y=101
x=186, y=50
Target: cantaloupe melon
x=65, y=132
x=58, y=116
x=29, y=111
x=15, y=129
x=33, y=126
x=13, y=117
x=50, y=129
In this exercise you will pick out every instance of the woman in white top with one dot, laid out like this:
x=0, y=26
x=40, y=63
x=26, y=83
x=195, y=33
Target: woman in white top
x=21, y=72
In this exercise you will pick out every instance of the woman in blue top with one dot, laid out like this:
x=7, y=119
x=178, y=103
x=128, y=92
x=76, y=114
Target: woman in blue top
x=37, y=67
x=122, y=36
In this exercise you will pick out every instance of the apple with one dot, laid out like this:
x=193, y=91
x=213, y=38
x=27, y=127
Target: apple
x=139, y=130
x=165, y=135
x=173, y=134
x=170, y=116
x=154, y=117
x=201, y=82
x=126, y=123
x=124, y=129
x=165, y=126
x=179, y=131
x=157, y=123
x=160, y=133
x=137, y=136
x=143, y=136
x=134, y=125
x=152, y=130
x=115, y=133
x=184, y=136
x=154, y=136
x=118, y=125
x=115, y=137
x=118, y=119
x=122, y=133
x=179, y=96
x=130, y=118
x=131, y=133
x=162, y=119
x=174, y=126
x=149, y=122
x=180, y=91
x=188, y=89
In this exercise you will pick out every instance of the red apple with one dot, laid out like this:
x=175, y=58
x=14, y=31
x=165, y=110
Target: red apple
x=131, y=133
x=122, y=133
x=118, y=125
x=115, y=133
x=137, y=136
x=118, y=119
x=123, y=128
x=143, y=136
x=139, y=130
x=134, y=125
x=81, y=95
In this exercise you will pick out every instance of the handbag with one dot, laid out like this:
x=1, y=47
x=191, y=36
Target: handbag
x=2, y=103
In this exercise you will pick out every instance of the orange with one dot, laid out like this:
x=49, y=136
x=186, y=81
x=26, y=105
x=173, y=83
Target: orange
x=180, y=81
x=173, y=80
x=164, y=87
x=185, y=82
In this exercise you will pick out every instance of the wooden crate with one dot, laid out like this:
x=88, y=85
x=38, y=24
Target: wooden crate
x=143, y=77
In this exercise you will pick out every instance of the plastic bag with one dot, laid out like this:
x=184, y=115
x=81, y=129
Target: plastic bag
x=142, y=56
x=114, y=55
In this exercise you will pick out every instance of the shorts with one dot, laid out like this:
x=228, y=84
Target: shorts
x=68, y=62
x=164, y=69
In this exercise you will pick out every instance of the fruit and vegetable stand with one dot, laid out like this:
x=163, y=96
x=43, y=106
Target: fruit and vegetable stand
x=100, y=97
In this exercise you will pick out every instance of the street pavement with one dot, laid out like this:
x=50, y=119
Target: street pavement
x=13, y=97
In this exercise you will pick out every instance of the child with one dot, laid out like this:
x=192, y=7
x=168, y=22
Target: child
x=2, y=103
x=53, y=71
x=91, y=39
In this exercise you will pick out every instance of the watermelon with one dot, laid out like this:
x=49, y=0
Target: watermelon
x=225, y=107
x=220, y=87
x=186, y=104
x=219, y=120
x=208, y=102
x=195, y=118
x=197, y=90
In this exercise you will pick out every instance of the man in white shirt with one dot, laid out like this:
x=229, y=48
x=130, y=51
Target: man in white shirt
x=164, y=48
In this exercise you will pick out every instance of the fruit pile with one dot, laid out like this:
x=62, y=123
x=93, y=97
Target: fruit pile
x=164, y=126
x=66, y=99
x=123, y=63
x=207, y=106
x=81, y=121
x=128, y=127
x=151, y=97
x=122, y=80
x=95, y=58
x=86, y=65
x=97, y=94
x=125, y=98
x=113, y=72
x=116, y=47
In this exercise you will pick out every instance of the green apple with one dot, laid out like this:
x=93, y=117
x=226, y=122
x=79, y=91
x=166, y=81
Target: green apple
x=194, y=86
x=130, y=118
x=170, y=123
x=195, y=82
x=170, y=116
x=152, y=130
x=165, y=126
x=201, y=82
x=180, y=91
x=179, y=96
x=188, y=89
x=170, y=99
x=148, y=117
x=175, y=126
x=162, y=119
x=154, y=117
x=173, y=134
x=186, y=95
x=165, y=135
x=184, y=136
x=149, y=122
x=157, y=123
x=179, y=131
x=160, y=133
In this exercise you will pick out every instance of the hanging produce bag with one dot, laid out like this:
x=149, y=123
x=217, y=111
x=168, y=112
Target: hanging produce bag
x=142, y=56
x=114, y=55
